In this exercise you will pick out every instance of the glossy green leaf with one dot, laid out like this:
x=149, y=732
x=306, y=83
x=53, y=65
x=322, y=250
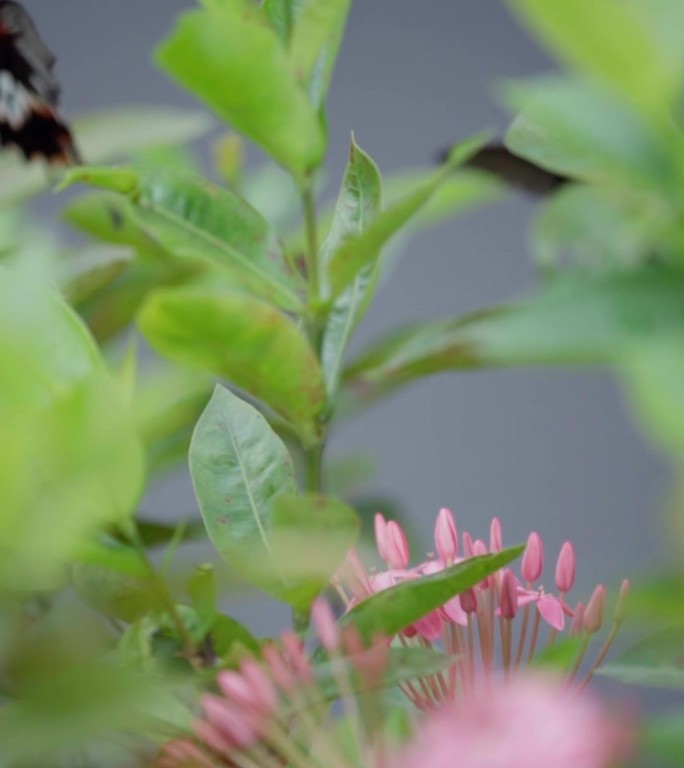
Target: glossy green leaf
x=239, y=468
x=315, y=41
x=311, y=534
x=233, y=44
x=249, y=342
x=358, y=204
x=192, y=218
x=607, y=39
x=391, y=610
x=656, y=661
x=229, y=635
x=362, y=251
x=568, y=126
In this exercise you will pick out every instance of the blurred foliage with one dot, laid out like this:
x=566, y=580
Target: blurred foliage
x=248, y=289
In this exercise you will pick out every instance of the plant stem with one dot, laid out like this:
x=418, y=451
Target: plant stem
x=314, y=468
x=311, y=243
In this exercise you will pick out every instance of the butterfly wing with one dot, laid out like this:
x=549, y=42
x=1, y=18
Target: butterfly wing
x=29, y=93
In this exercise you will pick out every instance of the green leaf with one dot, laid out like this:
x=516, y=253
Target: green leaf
x=607, y=39
x=96, y=698
x=391, y=610
x=227, y=634
x=656, y=661
x=117, y=595
x=70, y=461
x=91, y=269
x=362, y=251
x=282, y=14
x=575, y=319
x=654, y=372
x=192, y=218
x=568, y=126
x=202, y=592
x=311, y=534
x=663, y=740
x=249, y=342
x=234, y=45
x=239, y=468
x=315, y=42
x=358, y=204
x=601, y=228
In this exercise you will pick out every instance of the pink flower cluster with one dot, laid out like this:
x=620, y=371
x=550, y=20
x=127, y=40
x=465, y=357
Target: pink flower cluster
x=273, y=713
x=482, y=621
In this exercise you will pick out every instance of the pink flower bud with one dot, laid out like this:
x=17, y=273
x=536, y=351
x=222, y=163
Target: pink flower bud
x=508, y=595
x=533, y=558
x=620, y=605
x=467, y=544
x=237, y=726
x=495, y=536
x=297, y=656
x=593, y=615
x=326, y=627
x=446, y=536
x=565, y=568
x=263, y=695
x=210, y=736
x=396, y=546
x=279, y=668
x=577, y=625
x=380, y=528
x=468, y=601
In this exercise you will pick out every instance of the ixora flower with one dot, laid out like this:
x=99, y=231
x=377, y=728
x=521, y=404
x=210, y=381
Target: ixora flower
x=501, y=624
x=275, y=712
x=528, y=723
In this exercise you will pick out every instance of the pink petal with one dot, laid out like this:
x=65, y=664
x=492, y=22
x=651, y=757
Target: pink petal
x=551, y=611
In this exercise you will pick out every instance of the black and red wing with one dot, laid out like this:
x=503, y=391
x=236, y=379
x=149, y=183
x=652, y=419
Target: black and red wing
x=29, y=93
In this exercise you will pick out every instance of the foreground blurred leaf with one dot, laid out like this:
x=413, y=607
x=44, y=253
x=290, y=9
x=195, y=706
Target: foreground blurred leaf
x=608, y=39
x=76, y=705
x=192, y=218
x=91, y=269
x=600, y=228
x=662, y=741
x=232, y=43
x=391, y=610
x=656, y=661
x=239, y=468
x=568, y=126
x=311, y=535
x=102, y=137
x=358, y=204
x=70, y=459
x=234, y=335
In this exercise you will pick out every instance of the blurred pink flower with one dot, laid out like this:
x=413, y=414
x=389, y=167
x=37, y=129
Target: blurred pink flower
x=529, y=723
x=497, y=625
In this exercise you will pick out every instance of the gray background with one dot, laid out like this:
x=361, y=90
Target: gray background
x=554, y=451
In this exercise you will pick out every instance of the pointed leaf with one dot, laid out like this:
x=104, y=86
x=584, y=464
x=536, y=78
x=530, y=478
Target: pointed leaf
x=362, y=251
x=358, y=204
x=247, y=341
x=234, y=45
x=239, y=468
x=388, y=612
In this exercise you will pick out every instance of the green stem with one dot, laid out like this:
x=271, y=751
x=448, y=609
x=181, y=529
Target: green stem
x=161, y=590
x=311, y=244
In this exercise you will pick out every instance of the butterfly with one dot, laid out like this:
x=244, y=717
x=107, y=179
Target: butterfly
x=497, y=160
x=29, y=93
